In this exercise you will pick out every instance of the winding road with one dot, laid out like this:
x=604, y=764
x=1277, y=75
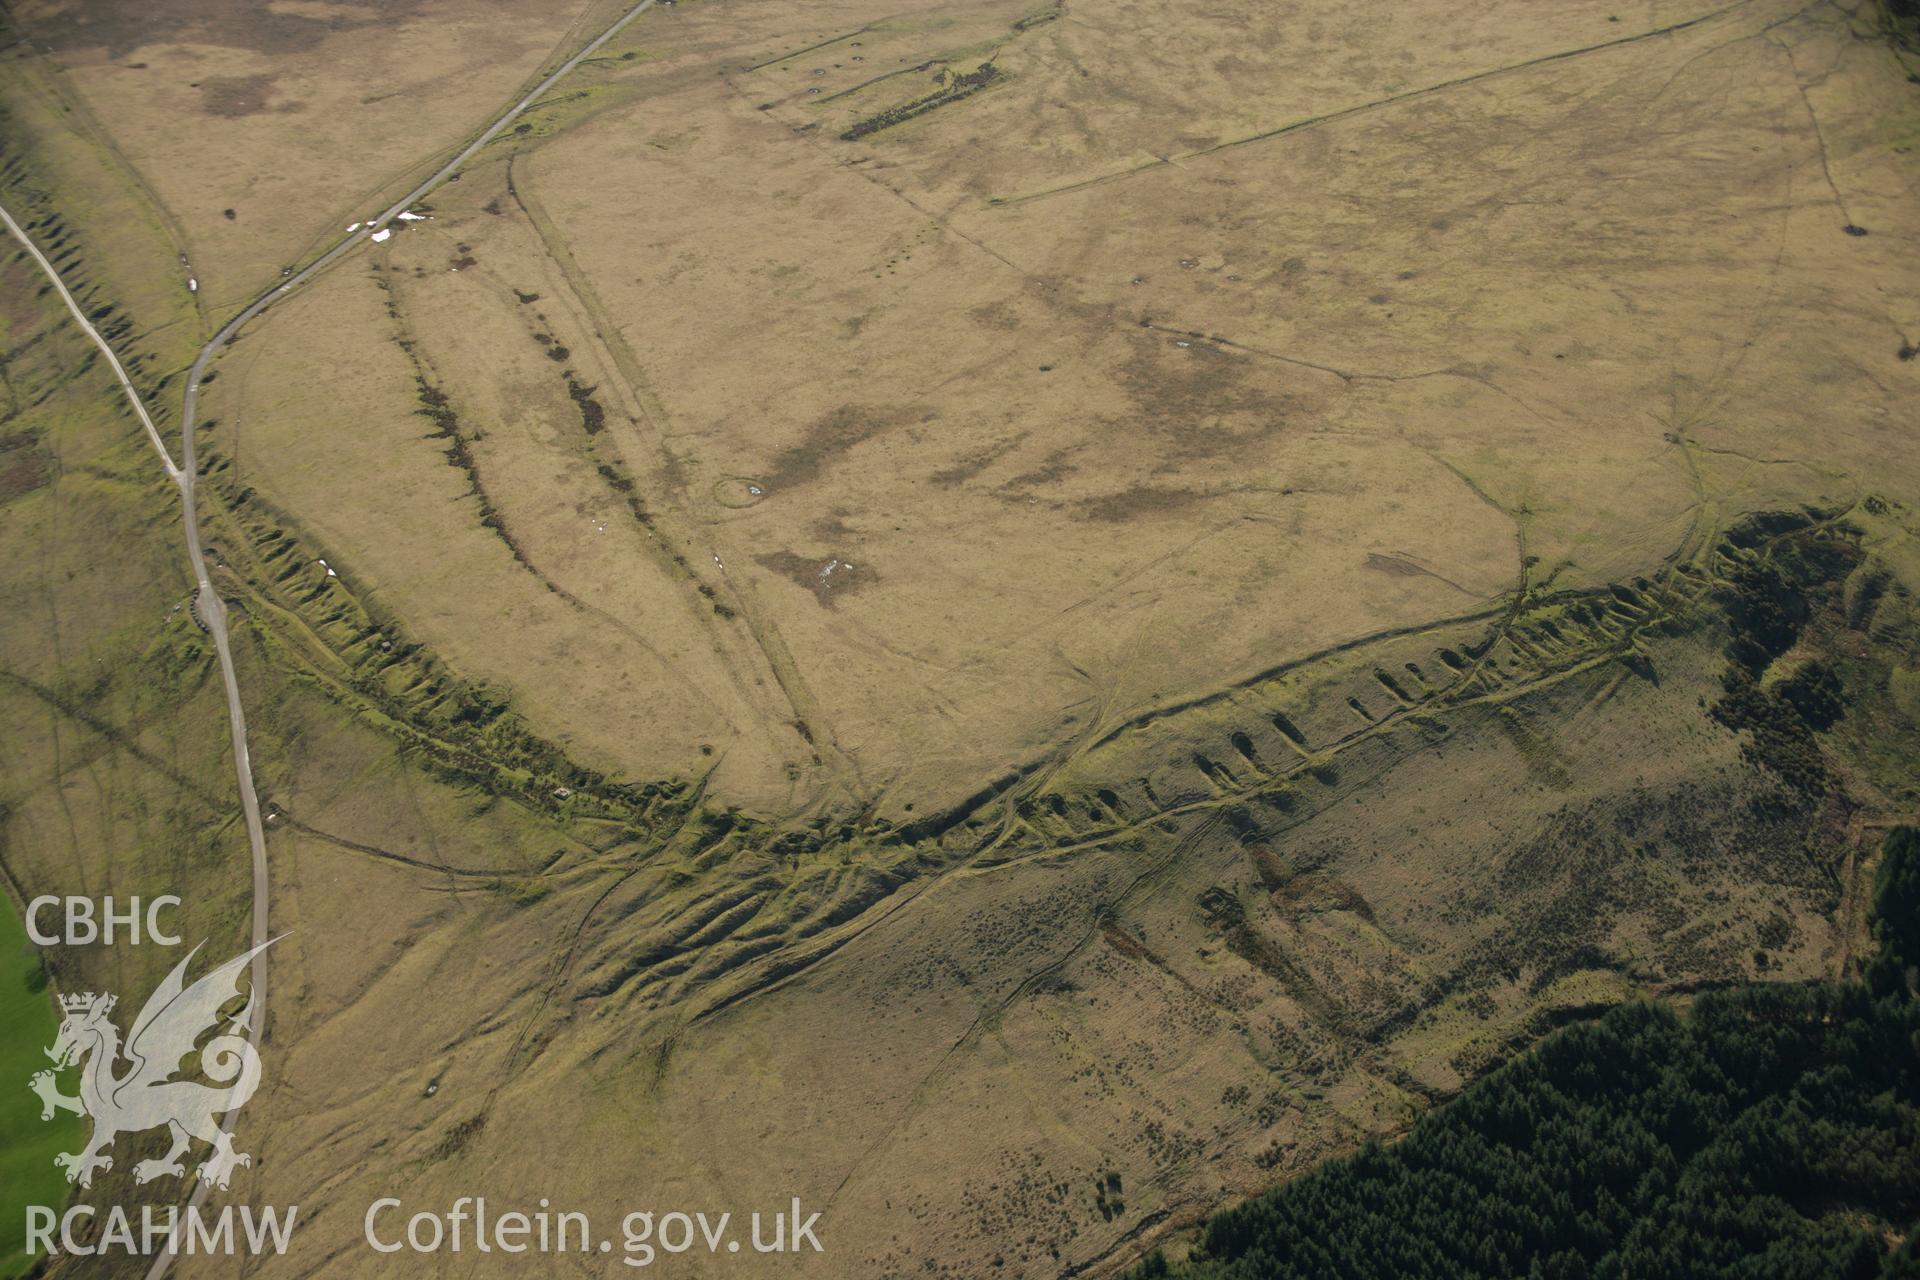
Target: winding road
x=208, y=606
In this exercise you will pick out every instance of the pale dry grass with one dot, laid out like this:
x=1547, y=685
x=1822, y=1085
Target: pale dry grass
x=298, y=118
x=1090, y=417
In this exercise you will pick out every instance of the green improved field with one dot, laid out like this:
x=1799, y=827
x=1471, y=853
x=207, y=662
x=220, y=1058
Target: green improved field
x=1017, y=621
x=27, y=1143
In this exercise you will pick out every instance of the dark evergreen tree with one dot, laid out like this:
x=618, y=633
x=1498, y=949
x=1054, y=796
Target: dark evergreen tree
x=1770, y=1133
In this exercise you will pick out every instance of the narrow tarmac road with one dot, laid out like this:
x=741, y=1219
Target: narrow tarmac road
x=208, y=606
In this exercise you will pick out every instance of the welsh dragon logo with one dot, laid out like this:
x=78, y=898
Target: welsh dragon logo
x=144, y=1095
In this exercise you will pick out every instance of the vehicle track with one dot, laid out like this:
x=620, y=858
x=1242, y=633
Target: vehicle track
x=1376, y=104
x=208, y=607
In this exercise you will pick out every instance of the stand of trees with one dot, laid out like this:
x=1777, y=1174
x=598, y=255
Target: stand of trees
x=1903, y=22
x=1770, y=1131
